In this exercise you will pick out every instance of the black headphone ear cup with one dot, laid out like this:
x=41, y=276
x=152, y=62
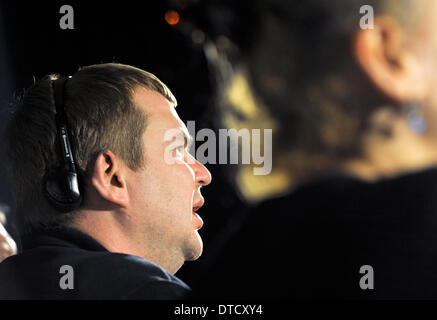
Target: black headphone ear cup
x=62, y=190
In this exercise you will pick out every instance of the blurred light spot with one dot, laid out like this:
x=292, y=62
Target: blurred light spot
x=198, y=36
x=240, y=95
x=172, y=17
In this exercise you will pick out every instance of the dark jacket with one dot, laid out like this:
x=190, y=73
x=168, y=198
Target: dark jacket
x=37, y=273
x=313, y=243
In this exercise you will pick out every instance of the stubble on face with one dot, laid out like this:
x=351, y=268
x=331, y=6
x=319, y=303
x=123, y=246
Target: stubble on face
x=163, y=193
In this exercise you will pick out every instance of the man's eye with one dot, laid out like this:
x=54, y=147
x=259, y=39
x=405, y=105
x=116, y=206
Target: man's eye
x=179, y=151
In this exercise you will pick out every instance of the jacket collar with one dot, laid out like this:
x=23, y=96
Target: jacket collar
x=62, y=237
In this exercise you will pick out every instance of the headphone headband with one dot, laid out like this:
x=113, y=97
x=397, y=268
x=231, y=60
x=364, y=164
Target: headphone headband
x=58, y=93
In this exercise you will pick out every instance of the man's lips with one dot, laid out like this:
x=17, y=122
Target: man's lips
x=197, y=220
x=198, y=205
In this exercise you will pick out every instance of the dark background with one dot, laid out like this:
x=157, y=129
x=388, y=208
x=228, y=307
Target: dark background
x=32, y=44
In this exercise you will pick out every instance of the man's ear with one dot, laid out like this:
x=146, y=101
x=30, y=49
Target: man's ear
x=385, y=58
x=108, y=178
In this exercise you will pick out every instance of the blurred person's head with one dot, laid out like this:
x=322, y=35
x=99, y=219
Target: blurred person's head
x=134, y=202
x=364, y=100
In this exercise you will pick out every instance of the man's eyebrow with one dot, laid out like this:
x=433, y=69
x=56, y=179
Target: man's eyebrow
x=188, y=138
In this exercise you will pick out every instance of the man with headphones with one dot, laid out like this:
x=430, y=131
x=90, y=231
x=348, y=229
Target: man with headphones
x=100, y=214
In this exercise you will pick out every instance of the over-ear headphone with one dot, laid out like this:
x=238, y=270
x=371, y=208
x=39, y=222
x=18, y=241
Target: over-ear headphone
x=61, y=185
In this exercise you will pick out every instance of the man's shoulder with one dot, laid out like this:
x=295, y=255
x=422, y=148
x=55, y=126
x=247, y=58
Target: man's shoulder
x=140, y=278
x=38, y=274
x=128, y=277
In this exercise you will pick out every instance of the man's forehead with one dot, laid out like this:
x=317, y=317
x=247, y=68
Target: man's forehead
x=150, y=100
x=161, y=114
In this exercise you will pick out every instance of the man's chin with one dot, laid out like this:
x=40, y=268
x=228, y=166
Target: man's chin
x=195, y=249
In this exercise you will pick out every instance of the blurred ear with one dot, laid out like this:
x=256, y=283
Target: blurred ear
x=108, y=178
x=384, y=56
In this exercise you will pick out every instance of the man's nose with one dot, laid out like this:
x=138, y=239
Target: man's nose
x=203, y=176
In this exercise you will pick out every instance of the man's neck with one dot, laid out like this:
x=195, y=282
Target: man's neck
x=112, y=234
x=102, y=230
x=405, y=151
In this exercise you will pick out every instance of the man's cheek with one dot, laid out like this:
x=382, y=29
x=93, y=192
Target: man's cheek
x=183, y=171
x=190, y=171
